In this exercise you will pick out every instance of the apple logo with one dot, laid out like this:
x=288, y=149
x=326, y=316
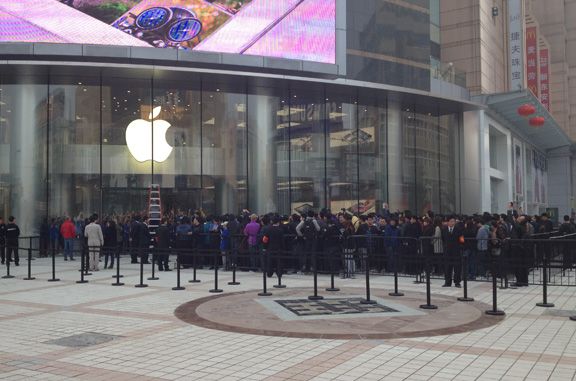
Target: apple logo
x=140, y=136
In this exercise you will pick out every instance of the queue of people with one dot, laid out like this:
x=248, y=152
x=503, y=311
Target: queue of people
x=331, y=242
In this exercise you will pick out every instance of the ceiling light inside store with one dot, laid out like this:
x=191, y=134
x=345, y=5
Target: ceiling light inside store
x=211, y=121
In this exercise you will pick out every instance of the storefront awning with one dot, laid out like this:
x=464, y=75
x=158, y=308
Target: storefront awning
x=505, y=106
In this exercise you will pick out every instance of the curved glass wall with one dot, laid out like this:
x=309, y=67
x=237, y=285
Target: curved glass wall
x=76, y=145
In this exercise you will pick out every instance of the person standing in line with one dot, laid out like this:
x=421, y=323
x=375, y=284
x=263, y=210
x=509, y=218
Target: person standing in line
x=68, y=231
x=451, y=238
x=110, y=243
x=251, y=231
x=93, y=232
x=308, y=230
x=163, y=245
x=12, y=234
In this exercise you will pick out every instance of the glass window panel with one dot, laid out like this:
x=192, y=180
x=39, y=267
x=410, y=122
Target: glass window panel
x=409, y=125
x=23, y=150
x=224, y=165
x=372, y=152
x=177, y=130
x=427, y=164
x=125, y=180
x=74, y=149
x=342, y=152
x=448, y=129
x=307, y=149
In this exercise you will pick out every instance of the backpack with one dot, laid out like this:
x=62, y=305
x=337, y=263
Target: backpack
x=308, y=230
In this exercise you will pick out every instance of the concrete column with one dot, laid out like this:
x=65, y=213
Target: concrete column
x=262, y=115
x=27, y=154
x=396, y=199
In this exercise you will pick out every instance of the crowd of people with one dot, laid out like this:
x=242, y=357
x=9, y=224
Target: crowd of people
x=332, y=242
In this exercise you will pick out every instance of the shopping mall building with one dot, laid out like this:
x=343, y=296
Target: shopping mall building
x=270, y=106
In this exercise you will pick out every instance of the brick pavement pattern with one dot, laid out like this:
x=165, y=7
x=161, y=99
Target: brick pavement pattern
x=129, y=333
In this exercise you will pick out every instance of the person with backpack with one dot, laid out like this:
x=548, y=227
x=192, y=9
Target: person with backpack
x=307, y=230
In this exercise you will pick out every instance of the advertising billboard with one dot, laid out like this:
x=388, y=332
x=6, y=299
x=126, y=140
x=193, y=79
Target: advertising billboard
x=294, y=29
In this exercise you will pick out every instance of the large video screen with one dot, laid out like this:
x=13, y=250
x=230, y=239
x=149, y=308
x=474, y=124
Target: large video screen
x=295, y=29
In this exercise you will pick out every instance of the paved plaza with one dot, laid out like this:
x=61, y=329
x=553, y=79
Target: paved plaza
x=63, y=330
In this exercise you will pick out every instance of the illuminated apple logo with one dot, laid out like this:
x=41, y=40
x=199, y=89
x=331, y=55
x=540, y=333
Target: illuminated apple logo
x=147, y=143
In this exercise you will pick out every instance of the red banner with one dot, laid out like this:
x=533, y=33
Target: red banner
x=545, y=78
x=532, y=59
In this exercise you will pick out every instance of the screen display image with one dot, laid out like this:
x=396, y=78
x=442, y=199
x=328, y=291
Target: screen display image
x=295, y=29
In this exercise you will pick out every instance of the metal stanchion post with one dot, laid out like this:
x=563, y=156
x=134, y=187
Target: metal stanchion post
x=154, y=259
x=315, y=296
x=332, y=287
x=8, y=276
x=141, y=284
x=428, y=305
x=367, y=300
x=215, y=289
x=30, y=277
x=178, y=286
x=117, y=276
x=464, y=263
x=396, y=292
x=234, y=266
x=82, y=262
x=545, y=282
x=53, y=279
x=279, y=273
x=194, y=255
x=494, y=311
x=264, y=267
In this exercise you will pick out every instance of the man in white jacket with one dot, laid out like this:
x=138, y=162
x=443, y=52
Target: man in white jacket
x=95, y=241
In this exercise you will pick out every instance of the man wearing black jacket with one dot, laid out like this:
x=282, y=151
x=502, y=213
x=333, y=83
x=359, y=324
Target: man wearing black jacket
x=12, y=234
x=163, y=245
x=451, y=238
x=273, y=238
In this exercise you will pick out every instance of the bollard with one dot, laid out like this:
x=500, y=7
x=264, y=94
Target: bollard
x=117, y=276
x=234, y=283
x=428, y=305
x=265, y=263
x=178, y=286
x=141, y=284
x=215, y=289
x=279, y=273
x=86, y=265
x=367, y=300
x=29, y=277
x=82, y=262
x=332, y=287
x=396, y=292
x=494, y=311
x=464, y=264
x=154, y=259
x=53, y=279
x=8, y=276
x=545, y=283
x=194, y=255
x=315, y=296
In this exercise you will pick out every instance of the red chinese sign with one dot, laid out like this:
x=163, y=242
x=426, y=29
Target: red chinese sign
x=545, y=78
x=532, y=59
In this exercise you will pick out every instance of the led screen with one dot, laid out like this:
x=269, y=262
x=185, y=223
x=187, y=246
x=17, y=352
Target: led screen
x=295, y=29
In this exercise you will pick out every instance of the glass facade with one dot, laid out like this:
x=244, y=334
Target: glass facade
x=232, y=144
x=390, y=41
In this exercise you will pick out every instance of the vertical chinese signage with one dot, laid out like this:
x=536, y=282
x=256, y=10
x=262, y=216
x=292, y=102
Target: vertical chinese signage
x=545, y=77
x=532, y=59
x=516, y=44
